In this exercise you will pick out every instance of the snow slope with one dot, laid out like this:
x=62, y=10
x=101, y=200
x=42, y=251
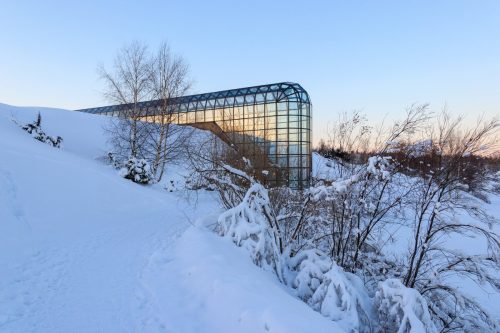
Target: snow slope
x=82, y=249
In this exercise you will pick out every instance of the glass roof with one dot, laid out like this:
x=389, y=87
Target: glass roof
x=275, y=92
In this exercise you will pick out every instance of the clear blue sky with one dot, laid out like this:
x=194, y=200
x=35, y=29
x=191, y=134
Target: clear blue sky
x=375, y=56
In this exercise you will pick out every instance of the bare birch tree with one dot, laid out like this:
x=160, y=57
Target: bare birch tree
x=168, y=79
x=127, y=85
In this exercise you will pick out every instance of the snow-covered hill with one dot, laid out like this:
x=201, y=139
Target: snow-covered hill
x=84, y=250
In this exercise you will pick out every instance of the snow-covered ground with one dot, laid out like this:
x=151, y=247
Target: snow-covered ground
x=84, y=250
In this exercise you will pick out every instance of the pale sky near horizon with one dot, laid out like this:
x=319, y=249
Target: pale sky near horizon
x=375, y=56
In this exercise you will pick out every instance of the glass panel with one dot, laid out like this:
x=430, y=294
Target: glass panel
x=272, y=148
x=271, y=109
x=259, y=137
x=282, y=148
x=282, y=135
x=260, y=122
x=182, y=118
x=282, y=107
x=250, y=99
x=248, y=124
x=238, y=125
x=259, y=110
x=305, y=122
x=270, y=96
x=238, y=112
x=306, y=110
x=229, y=101
x=282, y=160
x=248, y=111
x=209, y=115
x=293, y=136
x=270, y=122
x=271, y=134
x=226, y=125
x=200, y=116
x=294, y=149
x=282, y=121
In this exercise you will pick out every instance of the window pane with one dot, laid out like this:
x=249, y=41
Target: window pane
x=200, y=117
x=282, y=148
x=248, y=111
x=238, y=112
x=209, y=115
x=271, y=109
x=282, y=135
x=293, y=136
x=294, y=148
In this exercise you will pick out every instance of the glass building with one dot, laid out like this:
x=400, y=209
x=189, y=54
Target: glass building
x=272, y=120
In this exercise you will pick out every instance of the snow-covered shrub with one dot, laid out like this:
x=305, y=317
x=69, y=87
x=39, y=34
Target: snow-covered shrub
x=379, y=166
x=401, y=309
x=114, y=161
x=328, y=289
x=354, y=209
x=318, y=281
x=308, y=268
x=35, y=129
x=343, y=298
x=248, y=226
x=137, y=170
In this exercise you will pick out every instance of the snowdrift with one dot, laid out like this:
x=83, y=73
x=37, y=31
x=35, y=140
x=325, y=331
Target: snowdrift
x=82, y=249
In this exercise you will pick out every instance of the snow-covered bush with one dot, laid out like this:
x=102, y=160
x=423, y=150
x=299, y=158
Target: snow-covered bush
x=308, y=268
x=35, y=129
x=318, y=281
x=248, y=225
x=137, y=170
x=114, y=161
x=354, y=210
x=379, y=167
x=401, y=309
x=328, y=289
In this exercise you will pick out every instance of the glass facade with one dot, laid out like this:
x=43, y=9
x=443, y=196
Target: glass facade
x=271, y=120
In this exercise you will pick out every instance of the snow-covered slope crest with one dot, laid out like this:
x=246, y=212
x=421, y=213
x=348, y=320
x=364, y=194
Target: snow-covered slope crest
x=82, y=249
